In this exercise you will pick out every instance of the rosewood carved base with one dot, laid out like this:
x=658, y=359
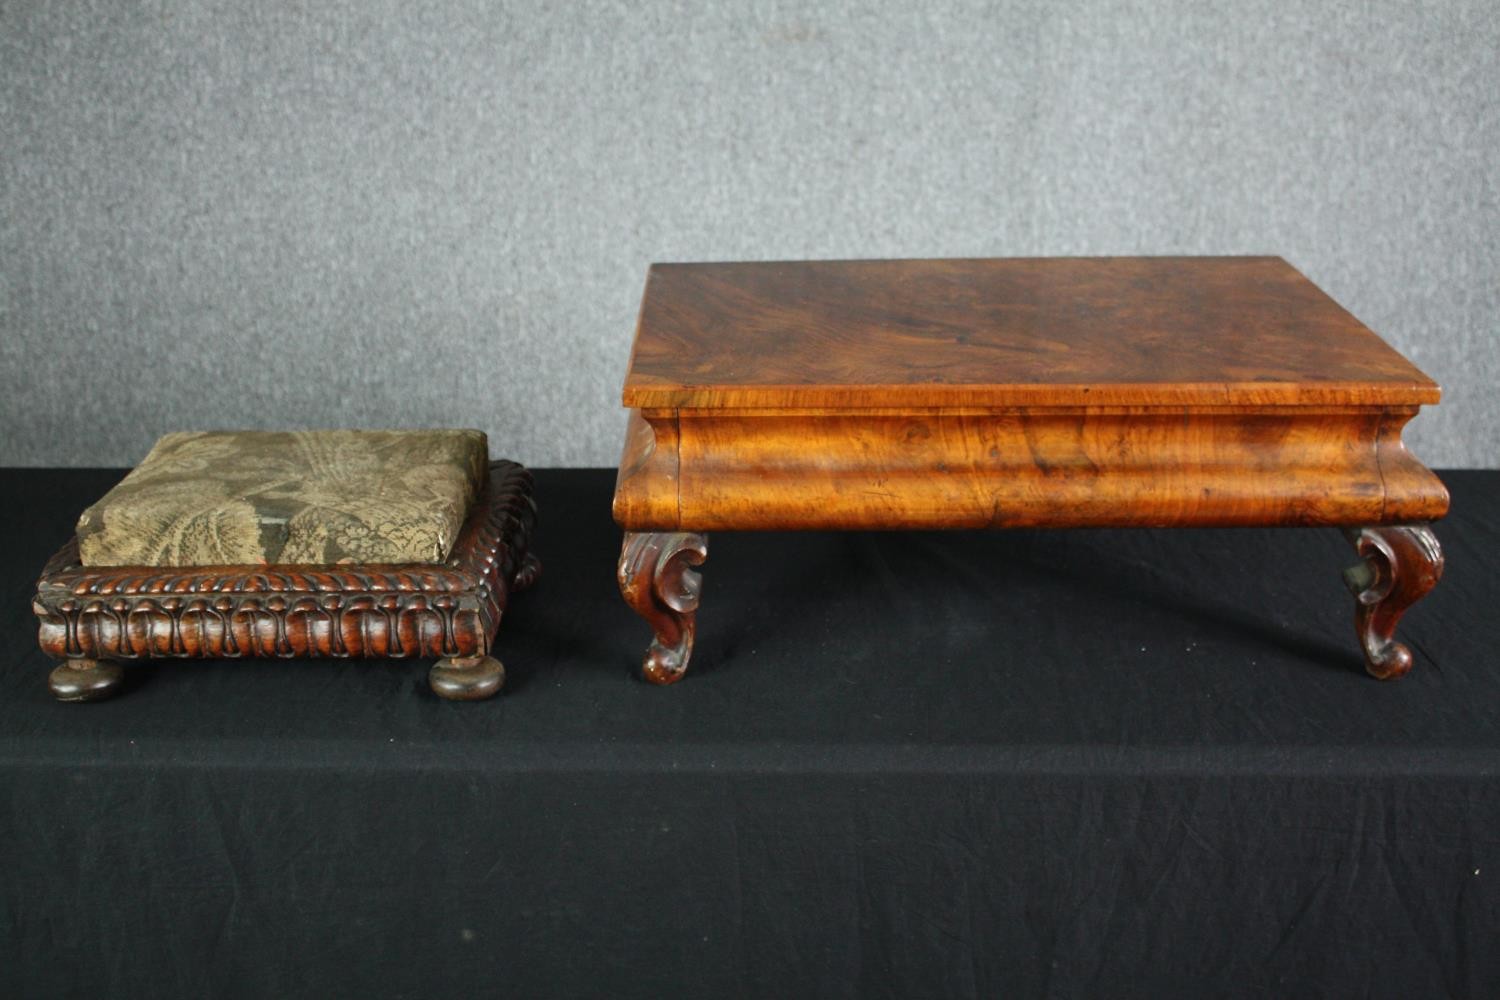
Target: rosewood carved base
x=658, y=581
x=93, y=618
x=1400, y=564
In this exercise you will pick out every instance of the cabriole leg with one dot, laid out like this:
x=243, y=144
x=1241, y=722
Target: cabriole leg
x=657, y=579
x=1401, y=563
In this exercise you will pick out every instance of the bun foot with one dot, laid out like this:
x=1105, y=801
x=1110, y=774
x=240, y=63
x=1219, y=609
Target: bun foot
x=1402, y=562
x=467, y=678
x=658, y=581
x=85, y=680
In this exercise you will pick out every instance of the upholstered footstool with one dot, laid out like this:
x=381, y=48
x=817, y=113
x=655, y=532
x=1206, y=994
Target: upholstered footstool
x=246, y=544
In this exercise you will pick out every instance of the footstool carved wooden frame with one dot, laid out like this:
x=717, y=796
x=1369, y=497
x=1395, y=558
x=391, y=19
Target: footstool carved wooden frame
x=1051, y=393
x=93, y=619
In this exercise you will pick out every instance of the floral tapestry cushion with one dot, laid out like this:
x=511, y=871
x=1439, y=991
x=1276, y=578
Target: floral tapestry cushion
x=295, y=497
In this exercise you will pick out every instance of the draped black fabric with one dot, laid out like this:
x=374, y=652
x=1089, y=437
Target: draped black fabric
x=1083, y=763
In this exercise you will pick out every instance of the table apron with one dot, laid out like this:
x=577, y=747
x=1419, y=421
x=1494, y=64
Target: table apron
x=687, y=470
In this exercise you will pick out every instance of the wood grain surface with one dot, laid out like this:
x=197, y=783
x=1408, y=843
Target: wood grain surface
x=1050, y=331
x=1028, y=469
x=1013, y=393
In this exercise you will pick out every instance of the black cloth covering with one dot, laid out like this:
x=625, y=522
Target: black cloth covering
x=1085, y=763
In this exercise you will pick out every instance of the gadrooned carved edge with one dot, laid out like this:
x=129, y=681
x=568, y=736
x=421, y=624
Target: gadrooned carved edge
x=1401, y=563
x=452, y=609
x=658, y=581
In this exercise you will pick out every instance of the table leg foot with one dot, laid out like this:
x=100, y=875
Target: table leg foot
x=658, y=581
x=1400, y=563
x=467, y=678
x=85, y=680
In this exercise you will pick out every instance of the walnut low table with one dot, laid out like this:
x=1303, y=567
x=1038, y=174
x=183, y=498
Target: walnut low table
x=1055, y=393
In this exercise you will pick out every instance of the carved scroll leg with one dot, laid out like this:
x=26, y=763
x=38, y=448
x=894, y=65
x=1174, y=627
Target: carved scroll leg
x=85, y=680
x=1402, y=562
x=657, y=580
x=466, y=678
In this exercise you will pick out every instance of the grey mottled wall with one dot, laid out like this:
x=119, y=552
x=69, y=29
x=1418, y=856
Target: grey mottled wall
x=377, y=212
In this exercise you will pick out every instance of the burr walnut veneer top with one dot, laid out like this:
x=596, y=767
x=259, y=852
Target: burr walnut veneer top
x=1147, y=331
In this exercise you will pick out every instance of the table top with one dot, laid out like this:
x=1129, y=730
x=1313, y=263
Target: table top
x=1124, y=331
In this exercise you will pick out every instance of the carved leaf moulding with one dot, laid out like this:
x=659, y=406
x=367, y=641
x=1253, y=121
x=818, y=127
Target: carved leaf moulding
x=254, y=626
